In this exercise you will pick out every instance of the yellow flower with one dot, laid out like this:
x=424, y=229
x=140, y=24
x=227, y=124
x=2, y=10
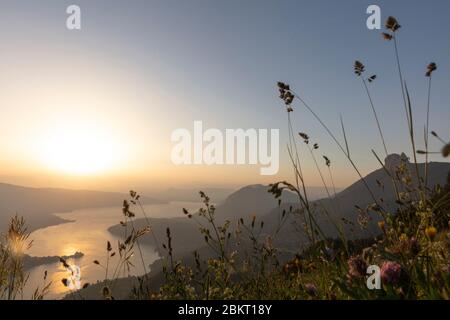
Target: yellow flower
x=392, y=24
x=431, y=232
x=403, y=237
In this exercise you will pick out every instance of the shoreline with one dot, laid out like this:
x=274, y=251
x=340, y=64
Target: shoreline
x=31, y=262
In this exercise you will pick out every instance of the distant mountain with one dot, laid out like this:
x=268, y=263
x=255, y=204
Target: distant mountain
x=381, y=184
x=343, y=210
x=248, y=201
x=37, y=205
x=255, y=200
x=252, y=200
x=191, y=194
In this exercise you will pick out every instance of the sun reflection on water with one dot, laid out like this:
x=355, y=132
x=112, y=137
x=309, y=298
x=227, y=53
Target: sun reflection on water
x=87, y=233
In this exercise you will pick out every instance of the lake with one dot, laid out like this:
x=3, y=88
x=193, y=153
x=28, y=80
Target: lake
x=87, y=233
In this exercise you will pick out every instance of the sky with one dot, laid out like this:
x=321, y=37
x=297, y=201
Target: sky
x=110, y=95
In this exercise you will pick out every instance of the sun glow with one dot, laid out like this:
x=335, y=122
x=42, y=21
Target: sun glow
x=79, y=149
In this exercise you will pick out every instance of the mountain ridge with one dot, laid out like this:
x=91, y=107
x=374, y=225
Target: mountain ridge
x=38, y=205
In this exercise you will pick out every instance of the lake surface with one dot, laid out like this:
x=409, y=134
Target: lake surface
x=88, y=234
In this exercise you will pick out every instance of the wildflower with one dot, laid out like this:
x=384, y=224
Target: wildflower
x=126, y=209
x=446, y=269
x=430, y=68
x=304, y=136
x=359, y=68
x=392, y=24
x=381, y=225
x=372, y=78
x=446, y=150
x=386, y=36
x=403, y=237
x=285, y=93
x=390, y=272
x=283, y=86
x=106, y=292
x=311, y=289
x=329, y=253
x=431, y=232
x=64, y=263
x=407, y=245
x=327, y=161
x=379, y=183
x=363, y=217
x=356, y=267
x=288, y=98
x=332, y=296
x=414, y=246
x=293, y=266
x=269, y=243
x=186, y=212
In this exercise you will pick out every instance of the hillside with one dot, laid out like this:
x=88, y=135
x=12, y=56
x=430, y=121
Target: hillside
x=343, y=207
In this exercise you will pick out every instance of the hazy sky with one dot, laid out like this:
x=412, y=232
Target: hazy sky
x=137, y=70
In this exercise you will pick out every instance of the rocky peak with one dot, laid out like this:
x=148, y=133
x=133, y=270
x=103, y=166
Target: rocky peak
x=392, y=161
